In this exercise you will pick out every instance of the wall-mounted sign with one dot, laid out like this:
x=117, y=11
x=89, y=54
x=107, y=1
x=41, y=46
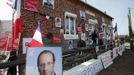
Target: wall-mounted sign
x=89, y=27
x=61, y=31
x=48, y=3
x=92, y=21
x=58, y=22
x=83, y=36
x=69, y=36
x=79, y=29
x=31, y=5
x=82, y=14
x=103, y=19
x=90, y=13
x=86, y=27
x=57, y=39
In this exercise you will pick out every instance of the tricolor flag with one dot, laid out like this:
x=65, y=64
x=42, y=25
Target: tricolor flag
x=17, y=20
x=115, y=28
x=116, y=37
x=11, y=3
x=37, y=39
x=17, y=24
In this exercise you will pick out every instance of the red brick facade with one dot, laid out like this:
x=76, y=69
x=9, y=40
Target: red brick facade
x=60, y=7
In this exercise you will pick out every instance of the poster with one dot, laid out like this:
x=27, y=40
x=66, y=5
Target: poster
x=57, y=22
x=44, y=61
x=82, y=14
x=79, y=29
x=48, y=3
x=31, y=5
x=57, y=39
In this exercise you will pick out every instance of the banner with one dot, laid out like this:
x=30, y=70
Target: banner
x=115, y=53
x=91, y=67
x=6, y=42
x=57, y=39
x=31, y=5
x=106, y=59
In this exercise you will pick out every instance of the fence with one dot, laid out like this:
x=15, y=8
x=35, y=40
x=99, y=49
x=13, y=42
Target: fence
x=70, y=57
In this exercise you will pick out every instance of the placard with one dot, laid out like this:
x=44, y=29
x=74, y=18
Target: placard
x=44, y=61
x=48, y=3
x=31, y=5
x=57, y=22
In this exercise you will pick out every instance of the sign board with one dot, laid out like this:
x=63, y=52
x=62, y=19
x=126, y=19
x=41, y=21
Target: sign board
x=48, y=3
x=68, y=36
x=115, y=53
x=92, y=21
x=91, y=67
x=106, y=59
x=57, y=22
x=57, y=39
x=31, y=5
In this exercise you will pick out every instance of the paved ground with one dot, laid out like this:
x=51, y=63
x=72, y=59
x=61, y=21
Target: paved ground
x=123, y=65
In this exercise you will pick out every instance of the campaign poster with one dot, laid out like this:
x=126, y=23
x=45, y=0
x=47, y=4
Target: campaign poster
x=31, y=5
x=44, y=61
x=48, y=3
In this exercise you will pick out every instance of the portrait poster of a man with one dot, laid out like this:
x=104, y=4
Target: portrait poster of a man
x=48, y=3
x=44, y=61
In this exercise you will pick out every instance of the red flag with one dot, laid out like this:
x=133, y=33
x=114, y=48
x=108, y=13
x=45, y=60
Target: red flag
x=17, y=24
x=37, y=39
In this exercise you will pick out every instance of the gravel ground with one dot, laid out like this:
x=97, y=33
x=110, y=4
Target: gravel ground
x=123, y=65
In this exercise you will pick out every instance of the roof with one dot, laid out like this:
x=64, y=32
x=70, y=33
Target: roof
x=96, y=9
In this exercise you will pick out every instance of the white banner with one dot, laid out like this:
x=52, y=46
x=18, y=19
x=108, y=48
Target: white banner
x=106, y=58
x=115, y=53
x=91, y=67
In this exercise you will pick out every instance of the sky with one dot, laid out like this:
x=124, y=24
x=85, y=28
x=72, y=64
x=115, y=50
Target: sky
x=118, y=9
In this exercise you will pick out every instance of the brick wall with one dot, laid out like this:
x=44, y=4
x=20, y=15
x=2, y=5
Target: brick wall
x=61, y=6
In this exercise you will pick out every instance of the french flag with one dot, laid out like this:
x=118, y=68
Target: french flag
x=37, y=39
x=17, y=24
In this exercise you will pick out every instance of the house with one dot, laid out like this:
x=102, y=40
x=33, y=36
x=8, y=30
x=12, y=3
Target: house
x=64, y=22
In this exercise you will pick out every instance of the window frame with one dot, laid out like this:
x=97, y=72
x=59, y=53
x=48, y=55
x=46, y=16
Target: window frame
x=70, y=15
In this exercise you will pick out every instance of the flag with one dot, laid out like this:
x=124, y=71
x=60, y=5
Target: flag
x=115, y=28
x=37, y=39
x=17, y=24
x=11, y=3
x=17, y=21
x=115, y=37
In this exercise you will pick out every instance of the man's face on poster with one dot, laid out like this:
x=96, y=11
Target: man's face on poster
x=46, y=64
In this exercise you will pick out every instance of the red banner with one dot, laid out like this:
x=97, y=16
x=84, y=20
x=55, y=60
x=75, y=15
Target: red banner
x=31, y=5
x=56, y=39
x=6, y=42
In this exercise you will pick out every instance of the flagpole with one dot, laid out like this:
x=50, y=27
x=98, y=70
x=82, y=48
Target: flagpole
x=14, y=10
x=130, y=29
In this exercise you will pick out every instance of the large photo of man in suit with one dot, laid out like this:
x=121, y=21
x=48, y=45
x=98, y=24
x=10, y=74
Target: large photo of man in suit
x=44, y=61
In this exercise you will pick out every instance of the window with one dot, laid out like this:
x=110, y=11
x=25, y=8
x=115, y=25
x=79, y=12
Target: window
x=70, y=23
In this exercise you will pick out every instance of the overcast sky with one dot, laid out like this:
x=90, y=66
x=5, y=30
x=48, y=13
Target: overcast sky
x=118, y=9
